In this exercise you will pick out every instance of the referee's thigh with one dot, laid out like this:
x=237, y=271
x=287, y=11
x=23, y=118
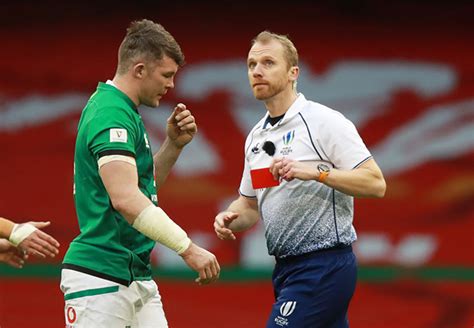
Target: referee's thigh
x=314, y=292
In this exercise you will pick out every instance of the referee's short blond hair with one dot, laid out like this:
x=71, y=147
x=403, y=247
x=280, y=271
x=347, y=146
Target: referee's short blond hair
x=291, y=54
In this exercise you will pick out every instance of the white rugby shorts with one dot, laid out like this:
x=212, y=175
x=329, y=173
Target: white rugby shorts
x=99, y=303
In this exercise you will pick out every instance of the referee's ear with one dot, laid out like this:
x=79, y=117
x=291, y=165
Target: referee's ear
x=294, y=73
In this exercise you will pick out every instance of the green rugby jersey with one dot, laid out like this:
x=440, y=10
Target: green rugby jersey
x=108, y=246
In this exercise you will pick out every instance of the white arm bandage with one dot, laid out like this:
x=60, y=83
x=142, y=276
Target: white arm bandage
x=155, y=224
x=110, y=158
x=20, y=232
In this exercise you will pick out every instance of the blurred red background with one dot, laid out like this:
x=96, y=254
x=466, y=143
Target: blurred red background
x=402, y=72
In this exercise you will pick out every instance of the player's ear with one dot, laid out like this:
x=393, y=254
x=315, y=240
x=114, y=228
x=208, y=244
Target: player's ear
x=293, y=73
x=139, y=70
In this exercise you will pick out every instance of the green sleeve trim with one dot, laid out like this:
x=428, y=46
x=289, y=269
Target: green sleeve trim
x=91, y=292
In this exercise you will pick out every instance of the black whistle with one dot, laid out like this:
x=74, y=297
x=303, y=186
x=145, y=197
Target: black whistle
x=269, y=148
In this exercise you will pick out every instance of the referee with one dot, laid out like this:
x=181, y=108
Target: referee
x=304, y=163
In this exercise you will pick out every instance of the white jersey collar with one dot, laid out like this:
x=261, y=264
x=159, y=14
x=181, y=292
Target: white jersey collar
x=110, y=82
x=294, y=109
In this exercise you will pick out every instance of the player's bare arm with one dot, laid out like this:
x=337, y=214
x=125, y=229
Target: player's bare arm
x=241, y=215
x=121, y=181
x=364, y=181
x=180, y=130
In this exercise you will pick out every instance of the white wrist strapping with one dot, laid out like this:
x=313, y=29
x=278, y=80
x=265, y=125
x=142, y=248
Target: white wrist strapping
x=20, y=232
x=155, y=224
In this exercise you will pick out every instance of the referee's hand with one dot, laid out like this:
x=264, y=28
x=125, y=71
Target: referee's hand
x=222, y=223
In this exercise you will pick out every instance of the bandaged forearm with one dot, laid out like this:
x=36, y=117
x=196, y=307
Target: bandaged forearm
x=155, y=224
x=20, y=232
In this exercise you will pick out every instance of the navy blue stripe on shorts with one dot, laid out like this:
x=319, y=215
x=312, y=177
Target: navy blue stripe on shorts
x=314, y=290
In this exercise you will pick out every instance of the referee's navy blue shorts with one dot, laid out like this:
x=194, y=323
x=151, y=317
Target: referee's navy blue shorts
x=314, y=290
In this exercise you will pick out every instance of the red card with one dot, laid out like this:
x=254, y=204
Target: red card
x=263, y=178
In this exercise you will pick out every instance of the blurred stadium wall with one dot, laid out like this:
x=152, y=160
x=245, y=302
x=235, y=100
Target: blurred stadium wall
x=403, y=73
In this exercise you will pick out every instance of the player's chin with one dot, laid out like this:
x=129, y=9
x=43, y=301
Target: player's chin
x=153, y=103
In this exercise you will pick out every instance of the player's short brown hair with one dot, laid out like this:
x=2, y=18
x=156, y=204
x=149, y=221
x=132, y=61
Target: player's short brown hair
x=291, y=54
x=147, y=40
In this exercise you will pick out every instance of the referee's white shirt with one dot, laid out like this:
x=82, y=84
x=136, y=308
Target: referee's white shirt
x=304, y=216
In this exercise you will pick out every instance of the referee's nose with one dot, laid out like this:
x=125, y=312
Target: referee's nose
x=257, y=70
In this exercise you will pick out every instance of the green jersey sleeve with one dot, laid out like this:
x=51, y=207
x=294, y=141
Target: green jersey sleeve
x=113, y=132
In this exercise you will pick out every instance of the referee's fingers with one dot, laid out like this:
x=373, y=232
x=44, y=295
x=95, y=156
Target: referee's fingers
x=226, y=235
x=275, y=168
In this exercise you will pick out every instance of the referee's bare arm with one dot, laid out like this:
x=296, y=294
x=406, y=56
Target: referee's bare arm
x=241, y=215
x=364, y=181
x=121, y=182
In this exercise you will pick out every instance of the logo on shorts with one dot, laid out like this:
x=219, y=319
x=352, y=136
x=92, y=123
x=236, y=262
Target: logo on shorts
x=286, y=309
x=71, y=314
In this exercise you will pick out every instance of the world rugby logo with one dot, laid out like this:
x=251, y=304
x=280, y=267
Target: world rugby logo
x=287, y=308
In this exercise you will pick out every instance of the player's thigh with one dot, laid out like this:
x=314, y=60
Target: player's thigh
x=100, y=311
x=151, y=315
x=95, y=302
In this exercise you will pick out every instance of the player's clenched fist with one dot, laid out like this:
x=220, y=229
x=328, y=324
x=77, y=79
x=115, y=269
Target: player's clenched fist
x=181, y=126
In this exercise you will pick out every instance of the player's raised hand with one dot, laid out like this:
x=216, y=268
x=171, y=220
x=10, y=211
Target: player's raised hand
x=203, y=262
x=181, y=126
x=11, y=255
x=33, y=241
x=222, y=223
